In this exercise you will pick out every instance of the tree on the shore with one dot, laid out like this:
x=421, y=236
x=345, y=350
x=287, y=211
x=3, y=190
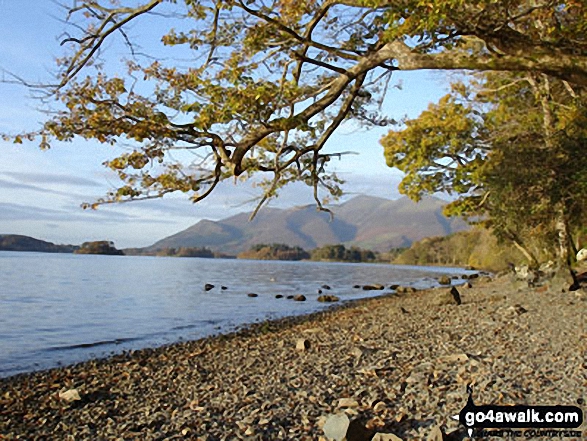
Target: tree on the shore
x=340, y=253
x=99, y=247
x=266, y=84
x=275, y=251
x=511, y=146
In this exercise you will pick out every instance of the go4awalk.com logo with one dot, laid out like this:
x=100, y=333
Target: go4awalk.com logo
x=530, y=421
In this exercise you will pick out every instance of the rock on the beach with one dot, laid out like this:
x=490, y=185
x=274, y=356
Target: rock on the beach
x=348, y=402
x=527, y=274
x=405, y=289
x=445, y=297
x=454, y=292
x=327, y=298
x=69, y=395
x=385, y=437
x=208, y=286
x=516, y=309
x=373, y=287
x=379, y=407
x=444, y=280
x=325, y=286
x=460, y=357
x=299, y=298
x=279, y=296
x=252, y=294
x=336, y=426
x=302, y=344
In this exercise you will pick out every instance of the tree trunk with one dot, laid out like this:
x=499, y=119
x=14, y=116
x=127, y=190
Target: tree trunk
x=531, y=258
x=532, y=261
x=562, y=230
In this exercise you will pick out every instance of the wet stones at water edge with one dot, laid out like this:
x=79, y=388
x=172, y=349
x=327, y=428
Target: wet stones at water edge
x=252, y=294
x=328, y=298
x=373, y=287
x=444, y=280
x=405, y=289
x=208, y=286
x=299, y=298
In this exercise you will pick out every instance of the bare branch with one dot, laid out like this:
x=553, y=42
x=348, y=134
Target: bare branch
x=92, y=43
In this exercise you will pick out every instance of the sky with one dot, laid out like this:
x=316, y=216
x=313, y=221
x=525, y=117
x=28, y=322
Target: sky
x=41, y=192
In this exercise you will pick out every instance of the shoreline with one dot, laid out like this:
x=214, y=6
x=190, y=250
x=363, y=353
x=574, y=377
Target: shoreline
x=102, y=330
x=401, y=361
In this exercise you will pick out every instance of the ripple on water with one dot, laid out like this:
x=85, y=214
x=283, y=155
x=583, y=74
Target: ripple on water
x=59, y=308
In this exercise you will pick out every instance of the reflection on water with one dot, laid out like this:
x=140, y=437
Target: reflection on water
x=64, y=308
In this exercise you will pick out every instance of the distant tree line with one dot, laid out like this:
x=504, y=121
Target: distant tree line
x=340, y=253
x=174, y=252
x=334, y=253
x=276, y=251
x=185, y=252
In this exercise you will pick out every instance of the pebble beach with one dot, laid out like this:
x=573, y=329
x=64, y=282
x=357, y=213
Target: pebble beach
x=397, y=364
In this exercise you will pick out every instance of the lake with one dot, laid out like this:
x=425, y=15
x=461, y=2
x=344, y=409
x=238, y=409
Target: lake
x=59, y=309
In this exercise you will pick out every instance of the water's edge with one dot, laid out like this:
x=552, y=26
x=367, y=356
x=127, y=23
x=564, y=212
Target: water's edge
x=101, y=306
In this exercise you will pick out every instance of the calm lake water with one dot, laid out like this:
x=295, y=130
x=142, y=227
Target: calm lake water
x=58, y=309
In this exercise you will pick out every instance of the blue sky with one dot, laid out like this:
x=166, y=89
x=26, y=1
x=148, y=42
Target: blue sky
x=41, y=191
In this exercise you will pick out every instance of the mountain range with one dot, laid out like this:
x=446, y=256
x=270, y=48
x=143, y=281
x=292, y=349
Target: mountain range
x=364, y=221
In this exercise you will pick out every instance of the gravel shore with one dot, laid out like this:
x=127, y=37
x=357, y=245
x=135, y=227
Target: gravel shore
x=396, y=364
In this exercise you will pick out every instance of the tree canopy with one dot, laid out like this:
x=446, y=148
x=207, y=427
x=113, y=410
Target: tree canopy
x=267, y=82
x=511, y=146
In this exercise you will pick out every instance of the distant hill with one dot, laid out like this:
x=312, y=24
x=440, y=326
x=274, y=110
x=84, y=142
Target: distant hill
x=16, y=242
x=364, y=221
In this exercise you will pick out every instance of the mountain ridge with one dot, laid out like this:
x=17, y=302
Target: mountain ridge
x=365, y=221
